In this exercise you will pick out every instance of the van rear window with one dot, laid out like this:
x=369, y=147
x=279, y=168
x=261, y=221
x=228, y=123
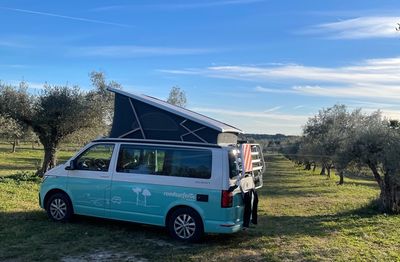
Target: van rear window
x=165, y=161
x=233, y=165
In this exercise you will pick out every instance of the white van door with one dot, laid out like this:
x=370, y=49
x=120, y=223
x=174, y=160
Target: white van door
x=90, y=178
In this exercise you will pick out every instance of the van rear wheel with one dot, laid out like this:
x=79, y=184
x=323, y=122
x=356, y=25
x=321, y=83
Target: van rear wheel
x=59, y=208
x=185, y=224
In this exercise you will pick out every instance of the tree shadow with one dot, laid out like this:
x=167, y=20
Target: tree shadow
x=12, y=167
x=26, y=176
x=25, y=231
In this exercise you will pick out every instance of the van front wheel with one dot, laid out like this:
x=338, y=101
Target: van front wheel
x=59, y=207
x=185, y=224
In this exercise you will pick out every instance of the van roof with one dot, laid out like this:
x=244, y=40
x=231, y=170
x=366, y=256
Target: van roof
x=177, y=110
x=161, y=142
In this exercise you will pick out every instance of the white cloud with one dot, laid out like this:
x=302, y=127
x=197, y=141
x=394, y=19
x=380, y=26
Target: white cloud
x=358, y=28
x=373, y=71
x=257, y=121
x=272, y=109
x=391, y=114
x=372, y=78
x=128, y=51
x=382, y=92
x=274, y=90
x=369, y=104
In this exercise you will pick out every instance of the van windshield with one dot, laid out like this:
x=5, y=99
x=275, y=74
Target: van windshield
x=233, y=164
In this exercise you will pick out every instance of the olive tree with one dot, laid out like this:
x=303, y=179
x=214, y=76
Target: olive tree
x=376, y=144
x=54, y=114
x=11, y=131
x=177, y=97
x=324, y=135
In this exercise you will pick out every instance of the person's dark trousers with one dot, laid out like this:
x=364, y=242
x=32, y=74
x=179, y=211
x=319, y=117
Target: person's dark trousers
x=255, y=207
x=247, y=208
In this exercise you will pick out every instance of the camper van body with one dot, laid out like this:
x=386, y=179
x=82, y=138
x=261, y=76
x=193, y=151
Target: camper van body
x=174, y=184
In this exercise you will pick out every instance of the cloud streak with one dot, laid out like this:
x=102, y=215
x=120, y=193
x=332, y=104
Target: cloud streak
x=128, y=51
x=74, y=18
x=358, y=28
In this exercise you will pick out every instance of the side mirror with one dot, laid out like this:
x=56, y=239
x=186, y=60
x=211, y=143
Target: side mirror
x=71, y=165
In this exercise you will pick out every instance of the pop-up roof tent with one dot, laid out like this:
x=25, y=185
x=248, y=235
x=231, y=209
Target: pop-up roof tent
x=144, y=117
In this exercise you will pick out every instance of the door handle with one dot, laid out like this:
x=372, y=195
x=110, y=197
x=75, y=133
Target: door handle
x=104, y=176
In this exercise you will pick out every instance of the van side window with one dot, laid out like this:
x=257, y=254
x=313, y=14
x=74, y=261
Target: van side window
x=165, y=161
x=96, y=158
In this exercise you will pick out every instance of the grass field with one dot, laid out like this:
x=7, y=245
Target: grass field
x=303, y=217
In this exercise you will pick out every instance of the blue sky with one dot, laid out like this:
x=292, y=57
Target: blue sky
x=263, y=66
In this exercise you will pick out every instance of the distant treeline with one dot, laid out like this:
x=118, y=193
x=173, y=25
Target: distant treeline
x=264, y=137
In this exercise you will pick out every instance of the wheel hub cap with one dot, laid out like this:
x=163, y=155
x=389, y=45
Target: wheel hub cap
x=184, y=226
x=58, y=209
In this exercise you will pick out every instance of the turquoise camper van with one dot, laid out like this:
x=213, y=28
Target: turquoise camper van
x=162, y=165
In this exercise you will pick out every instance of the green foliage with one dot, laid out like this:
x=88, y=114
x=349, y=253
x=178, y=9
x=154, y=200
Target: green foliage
x=9, y=128
x=60, y=112
x=177, y=97
x=338, y=138
x=325, y=134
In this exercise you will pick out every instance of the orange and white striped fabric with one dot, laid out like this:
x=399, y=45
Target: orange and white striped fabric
x=246, y=158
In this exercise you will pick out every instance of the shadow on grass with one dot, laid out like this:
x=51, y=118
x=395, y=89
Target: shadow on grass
x=4, y=149
x=30, y=235
x=12, y=167
x=22, y=176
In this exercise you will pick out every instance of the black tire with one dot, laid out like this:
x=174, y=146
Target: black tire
x=59, y=207
x=185, y=224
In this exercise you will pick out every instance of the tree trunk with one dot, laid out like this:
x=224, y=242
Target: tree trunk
x=50, y=159
x=341, y=178
x=307, y=166
x=14, y=146
x=314, y=167
x=377, y=176
x=322, y=170
x=328, y=169
x=390, y=190
x=390, y=195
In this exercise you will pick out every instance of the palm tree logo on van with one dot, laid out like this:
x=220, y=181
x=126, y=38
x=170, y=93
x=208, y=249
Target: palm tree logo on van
x=141, y=199
x=146, y=193
x=137, y=190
